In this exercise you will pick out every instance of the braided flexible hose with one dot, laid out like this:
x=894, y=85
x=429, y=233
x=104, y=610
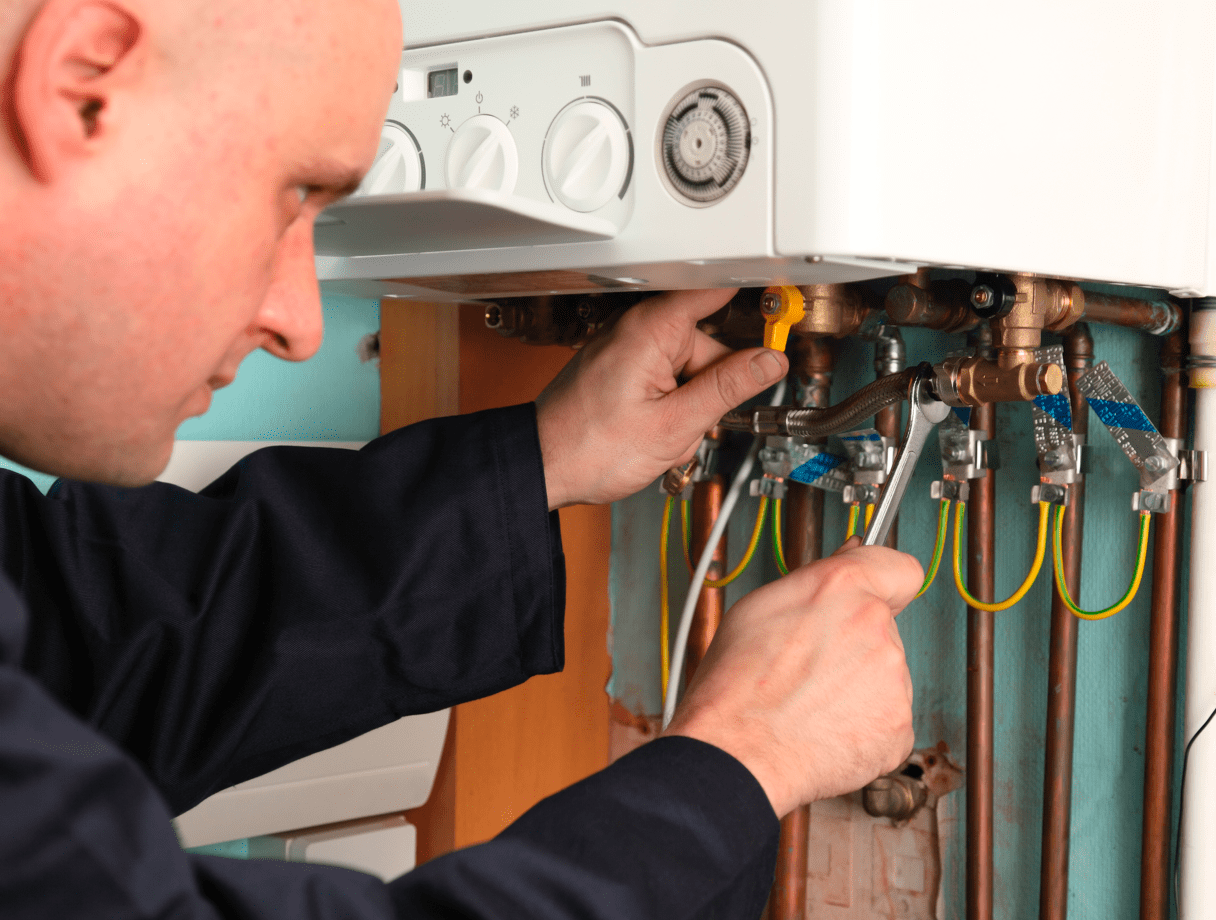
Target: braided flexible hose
x=819, y=423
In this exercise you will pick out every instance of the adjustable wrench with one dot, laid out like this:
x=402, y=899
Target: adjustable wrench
x=925, y=411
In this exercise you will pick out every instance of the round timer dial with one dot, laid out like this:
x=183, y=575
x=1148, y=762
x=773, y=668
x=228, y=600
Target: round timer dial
x=704, y=145
x=587, y=155
x=482, y=154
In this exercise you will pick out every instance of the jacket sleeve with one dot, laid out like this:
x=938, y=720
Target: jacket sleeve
x=307, y=596
x=680, y=832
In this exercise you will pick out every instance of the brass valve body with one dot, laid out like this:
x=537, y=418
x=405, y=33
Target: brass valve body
x=975, y=381
x=832, y=310
x=1042, y=303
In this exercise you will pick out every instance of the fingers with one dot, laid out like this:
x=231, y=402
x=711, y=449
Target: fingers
x=706, y=350
x=890, y=575
x=699, y=404
x=688, y=306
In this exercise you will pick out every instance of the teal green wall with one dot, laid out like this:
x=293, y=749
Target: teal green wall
x=331, y=397
x=1109, y=759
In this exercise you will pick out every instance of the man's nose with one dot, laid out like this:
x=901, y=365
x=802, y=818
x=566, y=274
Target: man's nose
x=290, y=317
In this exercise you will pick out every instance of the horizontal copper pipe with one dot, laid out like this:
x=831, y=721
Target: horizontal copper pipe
x=1156, y=317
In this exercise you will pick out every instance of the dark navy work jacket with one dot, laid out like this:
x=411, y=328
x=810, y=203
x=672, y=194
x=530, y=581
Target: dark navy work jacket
x=157, y=646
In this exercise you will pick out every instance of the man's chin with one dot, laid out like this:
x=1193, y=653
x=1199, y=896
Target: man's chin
x=129, y=466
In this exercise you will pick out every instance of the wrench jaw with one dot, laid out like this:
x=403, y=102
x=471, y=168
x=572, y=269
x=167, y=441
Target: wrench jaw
x=925, y=412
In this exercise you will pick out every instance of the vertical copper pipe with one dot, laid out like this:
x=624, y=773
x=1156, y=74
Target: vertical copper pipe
x=1062, y=664
x=981, y=642
x=1163, y=659
x=707, y=498
x=803, y=537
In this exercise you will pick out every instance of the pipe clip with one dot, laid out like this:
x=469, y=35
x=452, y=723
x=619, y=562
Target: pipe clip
x=1192, y=465
x=814, y=465
x=871, y=458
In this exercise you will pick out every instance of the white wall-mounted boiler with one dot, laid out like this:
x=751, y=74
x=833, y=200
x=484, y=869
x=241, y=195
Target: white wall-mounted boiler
x=534, y=147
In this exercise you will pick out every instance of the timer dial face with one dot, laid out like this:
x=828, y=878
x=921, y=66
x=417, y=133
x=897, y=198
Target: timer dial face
x=398, y=167
x=704, y=147
x=587, y=155
x=483, y=155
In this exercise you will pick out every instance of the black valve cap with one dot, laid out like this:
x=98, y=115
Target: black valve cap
x=992, y=295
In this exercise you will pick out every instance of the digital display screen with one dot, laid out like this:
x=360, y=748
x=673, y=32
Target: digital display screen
x=442, y=83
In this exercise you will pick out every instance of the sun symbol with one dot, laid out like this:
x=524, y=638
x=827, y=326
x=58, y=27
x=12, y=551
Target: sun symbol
x=515, y=111
x=445, y=122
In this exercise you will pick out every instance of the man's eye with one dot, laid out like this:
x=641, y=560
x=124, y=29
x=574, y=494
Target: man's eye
x=303, y=191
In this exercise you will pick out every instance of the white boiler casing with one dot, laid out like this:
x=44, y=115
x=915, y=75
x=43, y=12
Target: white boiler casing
x=1072, y=140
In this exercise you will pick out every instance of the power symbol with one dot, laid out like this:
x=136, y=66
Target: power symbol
x=479, y=98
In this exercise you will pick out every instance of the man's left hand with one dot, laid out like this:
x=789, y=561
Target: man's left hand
x=616, y=417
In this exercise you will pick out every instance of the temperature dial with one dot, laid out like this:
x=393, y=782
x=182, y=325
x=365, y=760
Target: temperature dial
x=398, y=167
x=482, y=155
x=705, y=144
x=587, y=155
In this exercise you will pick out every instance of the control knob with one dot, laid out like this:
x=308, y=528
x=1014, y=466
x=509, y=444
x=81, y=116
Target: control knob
x=705, y=144
x=482, y=155
x=587, y=155
x=398, y=166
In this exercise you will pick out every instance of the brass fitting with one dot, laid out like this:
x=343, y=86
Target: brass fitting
x=975, y=381
x=943, y=305
x=1039, y=303
x=832, y=310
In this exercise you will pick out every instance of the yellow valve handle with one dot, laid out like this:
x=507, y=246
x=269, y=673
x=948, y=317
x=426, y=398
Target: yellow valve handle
x=782, y=307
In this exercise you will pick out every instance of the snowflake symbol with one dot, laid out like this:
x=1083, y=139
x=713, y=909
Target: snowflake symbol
x=515, y=111
x=445, y=122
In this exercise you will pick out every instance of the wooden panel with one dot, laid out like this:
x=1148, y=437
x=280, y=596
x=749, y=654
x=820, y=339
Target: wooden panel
x=517, y=747
x=507, y=752
x=419, y=377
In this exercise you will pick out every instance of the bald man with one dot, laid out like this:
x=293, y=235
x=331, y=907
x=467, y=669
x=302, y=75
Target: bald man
x=161, y=167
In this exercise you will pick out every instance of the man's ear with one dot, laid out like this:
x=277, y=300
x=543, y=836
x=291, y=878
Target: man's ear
x=71, y=66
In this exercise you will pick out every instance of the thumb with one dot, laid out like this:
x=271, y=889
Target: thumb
x=725, y=384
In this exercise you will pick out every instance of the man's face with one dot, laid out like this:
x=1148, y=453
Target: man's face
x=149, y=270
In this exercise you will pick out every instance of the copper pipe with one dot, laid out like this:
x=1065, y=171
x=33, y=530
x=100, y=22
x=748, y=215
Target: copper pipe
x=803, y=536
x=1163, y=659
x=981, y=628
x=1156, y=317
x=941, y=305
x=707, y=498
x=1062, y=664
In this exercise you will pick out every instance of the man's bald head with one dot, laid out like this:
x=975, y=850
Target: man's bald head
x=161, y=165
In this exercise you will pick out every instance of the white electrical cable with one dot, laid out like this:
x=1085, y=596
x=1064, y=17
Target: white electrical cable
x=698, y=576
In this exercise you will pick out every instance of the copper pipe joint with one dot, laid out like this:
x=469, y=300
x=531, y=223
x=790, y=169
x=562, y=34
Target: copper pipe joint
x=833, y=310
x=975, y=381
x=943, y=305
x=1040, y=304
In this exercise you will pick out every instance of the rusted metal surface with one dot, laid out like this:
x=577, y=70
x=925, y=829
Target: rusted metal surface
x=1062, y=664
x=1163, y=659
x=707, y=498
x=981, y=644
x=862, y=867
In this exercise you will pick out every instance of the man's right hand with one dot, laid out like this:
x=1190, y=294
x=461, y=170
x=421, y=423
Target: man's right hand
x=806, y=683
